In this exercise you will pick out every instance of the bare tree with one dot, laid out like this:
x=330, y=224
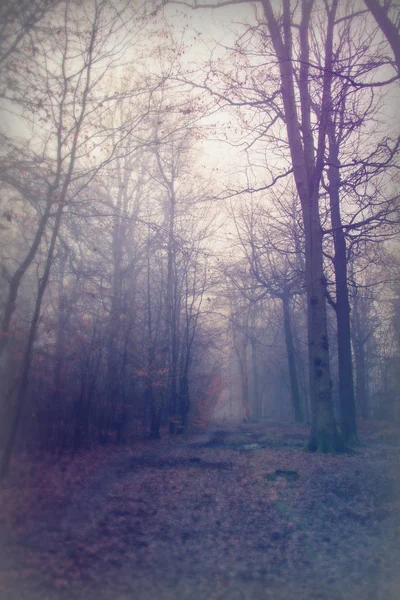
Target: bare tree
x=289, y=37
x=300, y=95
x=389, y=25
x=272, y=243
x=68, y=91
x=18, y=20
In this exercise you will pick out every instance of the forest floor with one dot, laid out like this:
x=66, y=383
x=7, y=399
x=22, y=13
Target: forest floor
x=237, y=512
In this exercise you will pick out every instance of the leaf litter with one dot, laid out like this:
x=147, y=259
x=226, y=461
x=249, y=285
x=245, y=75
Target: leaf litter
x=201, y=518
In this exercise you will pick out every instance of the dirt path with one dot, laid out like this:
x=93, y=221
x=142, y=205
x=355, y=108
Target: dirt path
x=236, y=513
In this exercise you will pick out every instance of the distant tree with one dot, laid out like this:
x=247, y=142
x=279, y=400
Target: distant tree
x=18, y=19
x=67, y=96
x=272, y=243
x=179, y=193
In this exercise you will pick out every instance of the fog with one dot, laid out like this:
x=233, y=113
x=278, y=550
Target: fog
x=200, y=299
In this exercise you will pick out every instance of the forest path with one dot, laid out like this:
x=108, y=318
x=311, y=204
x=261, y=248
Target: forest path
x=237, y=512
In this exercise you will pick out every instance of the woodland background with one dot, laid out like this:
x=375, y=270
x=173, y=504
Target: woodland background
x=156, y=249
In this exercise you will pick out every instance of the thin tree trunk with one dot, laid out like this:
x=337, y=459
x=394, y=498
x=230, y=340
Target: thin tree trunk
x=245, y=385
x=170, y=319
x=155, y=416
x=360, y=363
x=361, y=382
x=150, y=398
x=291, y=356
x=113, y=354
x=16, y=279
x=184, y=400
x=256, y=382
x=53, y=405
x=27, y=361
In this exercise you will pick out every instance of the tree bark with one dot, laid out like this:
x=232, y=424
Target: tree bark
x=240, y=343
x=112, y=395
x=324, y=436
x=307, y=171
x=27, y=360
x=62, y=202
x=184, y=400
x=149, y=395
x=155, y=417
x=16, y=279
x=256, y=382
x=291, y=356
x=348, y=424
x=170, y=391
x=244, y=379
x=360, y=362
x=54, y=404
x=388, y=28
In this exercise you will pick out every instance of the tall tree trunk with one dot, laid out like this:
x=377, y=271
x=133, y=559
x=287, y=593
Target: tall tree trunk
x=155, y=415
x=171, y=389
x=361, y=382
x=291, y=356
x=82, y=407
x=307, y=170
x=114, y=341
x=324, y=436
x=244, y=379
x=150, y=399
x=256, y=380
x=360, y=362
x=15, y=280
x=184, y=399
x=348, y=423
x=27, y=360
x=54, y=404
x=240, y=343
x=171, y=355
